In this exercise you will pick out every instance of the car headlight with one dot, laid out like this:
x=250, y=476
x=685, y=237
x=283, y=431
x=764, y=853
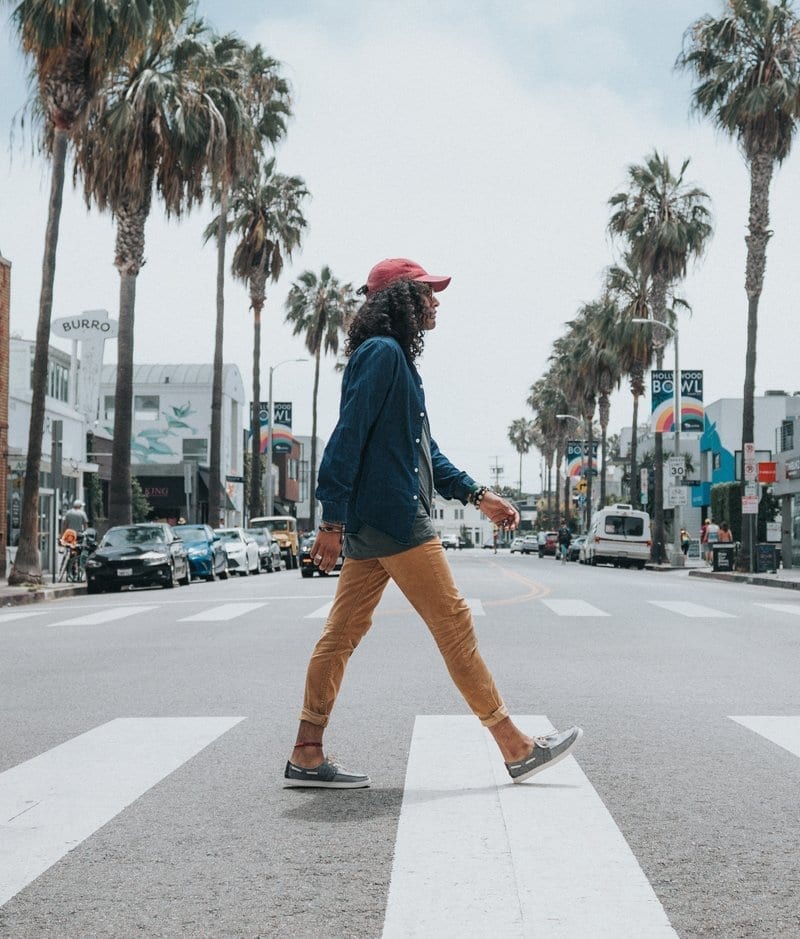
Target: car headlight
x=151, y=558
x=93, y=563
x=197, y=552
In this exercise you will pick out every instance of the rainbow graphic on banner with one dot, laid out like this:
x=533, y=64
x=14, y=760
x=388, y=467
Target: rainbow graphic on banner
x=575, y=458
x=282, y=438
x=692, y=416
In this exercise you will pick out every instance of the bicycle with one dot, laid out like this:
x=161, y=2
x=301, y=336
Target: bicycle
x=70, y=568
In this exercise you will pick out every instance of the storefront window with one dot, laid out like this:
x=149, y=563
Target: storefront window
x=796, y=531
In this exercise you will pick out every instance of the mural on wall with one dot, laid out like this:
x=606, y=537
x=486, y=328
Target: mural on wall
x=149, y=446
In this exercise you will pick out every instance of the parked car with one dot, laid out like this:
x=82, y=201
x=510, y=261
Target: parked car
x=574, y=549
x=207, y=558
x=618, y=535
x=269, y=552
x=307, y=566
x=284, y=529
x=525, y=544
x=450, y=541
x=242, y=551
x=547, y=543
x=144, y=555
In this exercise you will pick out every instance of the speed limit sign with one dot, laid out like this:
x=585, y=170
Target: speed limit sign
x=677, y=468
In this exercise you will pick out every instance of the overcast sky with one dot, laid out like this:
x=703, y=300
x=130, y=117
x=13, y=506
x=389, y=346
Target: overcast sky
x=482, y=139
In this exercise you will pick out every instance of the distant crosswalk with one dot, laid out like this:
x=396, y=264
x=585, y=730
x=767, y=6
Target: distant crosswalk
x=307, y=607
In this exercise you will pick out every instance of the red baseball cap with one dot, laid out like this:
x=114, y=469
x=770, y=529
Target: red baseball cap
x=391, y=269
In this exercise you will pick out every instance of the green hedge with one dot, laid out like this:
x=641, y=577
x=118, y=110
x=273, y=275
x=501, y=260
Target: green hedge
x=726, y=506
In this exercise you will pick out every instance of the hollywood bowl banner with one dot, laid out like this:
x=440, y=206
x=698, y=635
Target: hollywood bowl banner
x=282, y=438
x=663, y=400
x=576, y=451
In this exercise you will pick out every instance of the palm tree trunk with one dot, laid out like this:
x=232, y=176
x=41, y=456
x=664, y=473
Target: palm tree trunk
x=590, y=472
x=128, y=260
x=659, y=308
x=761, y=170
x=27, y=568
x=312, y=494
x=255, y=422
x=215, y=443
x=604, y=411
x=634, y=480
x=657, y=553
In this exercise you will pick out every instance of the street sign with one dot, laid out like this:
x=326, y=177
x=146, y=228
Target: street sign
x=677, y=495
x=677, y=468
x=751, y=489
x=750, y=470
x=582, y=486
x=749, y=452
x=749, y=505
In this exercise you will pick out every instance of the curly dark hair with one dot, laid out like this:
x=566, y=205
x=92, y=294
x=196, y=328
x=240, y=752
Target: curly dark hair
x=398, y=311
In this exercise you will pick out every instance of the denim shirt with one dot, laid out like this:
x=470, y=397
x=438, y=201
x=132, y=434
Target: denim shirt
x=370, y=469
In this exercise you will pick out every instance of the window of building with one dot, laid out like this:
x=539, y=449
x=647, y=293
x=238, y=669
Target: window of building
x=195, y=448
x=57, y=380
x=145, y=407
x=787, y=435
x=108, y=407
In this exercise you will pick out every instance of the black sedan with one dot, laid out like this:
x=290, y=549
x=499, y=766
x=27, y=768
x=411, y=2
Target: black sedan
x=145, y=555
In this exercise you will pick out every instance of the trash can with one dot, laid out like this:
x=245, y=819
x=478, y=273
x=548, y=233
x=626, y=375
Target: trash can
x=766, y=558
x=722, y=556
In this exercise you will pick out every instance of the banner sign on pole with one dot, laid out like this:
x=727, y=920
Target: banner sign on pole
x=282, y=438
x=577, y=452
x=662, y=387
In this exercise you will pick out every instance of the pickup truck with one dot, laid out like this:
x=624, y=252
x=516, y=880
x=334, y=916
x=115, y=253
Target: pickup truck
x=450, y=541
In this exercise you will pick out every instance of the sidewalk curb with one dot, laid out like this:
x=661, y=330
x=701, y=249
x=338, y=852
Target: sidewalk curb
x=758, y=580
x=19, y=596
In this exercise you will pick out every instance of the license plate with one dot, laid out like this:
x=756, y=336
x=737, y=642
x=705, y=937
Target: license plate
x=124, y=572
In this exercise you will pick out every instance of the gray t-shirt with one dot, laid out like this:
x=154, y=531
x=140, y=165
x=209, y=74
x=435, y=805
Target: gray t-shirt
x=369, y=542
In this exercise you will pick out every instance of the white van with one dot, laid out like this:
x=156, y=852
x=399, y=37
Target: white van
x=618, y=535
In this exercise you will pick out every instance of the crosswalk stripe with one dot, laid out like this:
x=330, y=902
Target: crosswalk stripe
x=793, y=608
x=19, y=614
x=475, y=605
x=783, y=730
x=573, y=608
x=218, y=614
x=56, y=800
x=684, y=608
x=478, y=856
x=104, y=616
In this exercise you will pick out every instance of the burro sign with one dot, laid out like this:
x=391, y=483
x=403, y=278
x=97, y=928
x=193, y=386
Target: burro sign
x=91, y=324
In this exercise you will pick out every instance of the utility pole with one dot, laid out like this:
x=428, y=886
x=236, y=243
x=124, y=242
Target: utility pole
x=497, y=471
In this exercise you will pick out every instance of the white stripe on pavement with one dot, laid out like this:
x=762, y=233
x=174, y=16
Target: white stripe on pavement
x=793, y=608
x=53, y=802
x=783, y=730
x=574, y=608
x=19, y=614
x=475, y=605
x=218, y=614
x=104, y=616
x=684, y=608
x=478, y=856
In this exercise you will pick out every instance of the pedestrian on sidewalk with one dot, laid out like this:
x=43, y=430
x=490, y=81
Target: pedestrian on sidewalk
x=75, y=518
x=564, y=540
x=376, y=486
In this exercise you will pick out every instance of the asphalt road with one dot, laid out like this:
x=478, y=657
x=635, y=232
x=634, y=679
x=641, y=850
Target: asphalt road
x=182, y=828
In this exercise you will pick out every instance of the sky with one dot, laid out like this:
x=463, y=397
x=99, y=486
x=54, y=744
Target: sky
x=481, y=139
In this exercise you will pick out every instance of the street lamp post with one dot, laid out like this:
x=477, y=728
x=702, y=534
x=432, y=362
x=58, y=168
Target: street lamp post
x=269, y=499
x=678, y=559
x=579, y=420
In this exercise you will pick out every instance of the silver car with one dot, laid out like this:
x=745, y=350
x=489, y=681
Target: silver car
x=242, y=551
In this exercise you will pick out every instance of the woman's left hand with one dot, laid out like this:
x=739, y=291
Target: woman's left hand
x=499, y=510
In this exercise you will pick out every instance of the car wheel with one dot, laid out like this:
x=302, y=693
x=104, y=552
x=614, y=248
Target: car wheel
x=223, y=574
x=210, y=578
x=305, y=572
x=187, y=577
x=170, y=582
x=92, y=587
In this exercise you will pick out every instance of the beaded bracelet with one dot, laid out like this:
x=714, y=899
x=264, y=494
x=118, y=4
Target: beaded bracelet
x=328, y=527
x=477, y=496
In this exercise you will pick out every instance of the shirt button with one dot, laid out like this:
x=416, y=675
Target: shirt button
x=415, y=498
x=416, y=469
x=417, y=440
x=422, y=414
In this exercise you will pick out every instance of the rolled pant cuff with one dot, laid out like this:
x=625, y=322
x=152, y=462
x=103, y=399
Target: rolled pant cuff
x=499, y=715
x=321, y=720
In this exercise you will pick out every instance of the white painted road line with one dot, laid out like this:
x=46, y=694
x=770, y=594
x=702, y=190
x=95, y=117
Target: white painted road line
x=222, y=613
x=573, y=608
x=783, y=730
x=104, y=616
x=793, y=608
x=19, y=614
x=53, y=802
x=475, y=606
x=478, y=856
x=684, y=608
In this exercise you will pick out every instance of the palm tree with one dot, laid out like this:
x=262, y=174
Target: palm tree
x=258, y=105
x=155, y=126
x=521, y=434
x=318, y=307
x=73, y=46
x=665, y=223
x=747, y=65
x=266, y=213
x=547, y=401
